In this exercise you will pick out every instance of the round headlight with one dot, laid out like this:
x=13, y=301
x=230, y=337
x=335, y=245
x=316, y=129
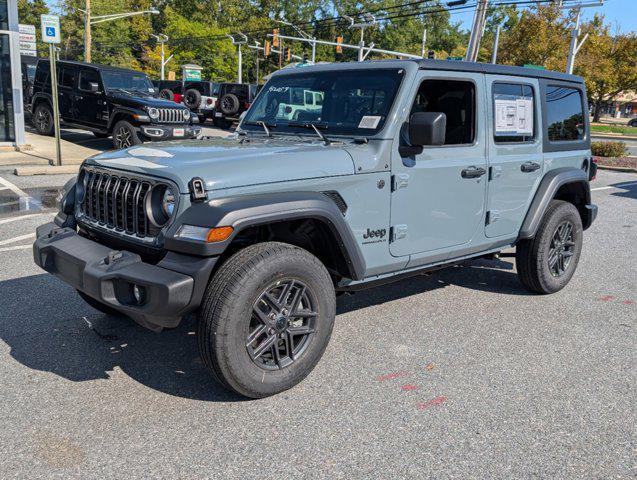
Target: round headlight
x=153, y=113
x=168, y=202
x=187, y=114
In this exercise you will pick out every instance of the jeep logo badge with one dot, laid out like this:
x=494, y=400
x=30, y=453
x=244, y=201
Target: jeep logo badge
x=380, y=233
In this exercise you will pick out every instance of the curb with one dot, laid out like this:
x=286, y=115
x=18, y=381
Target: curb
x=616, y=136
x=617, y=169
x=45, y=170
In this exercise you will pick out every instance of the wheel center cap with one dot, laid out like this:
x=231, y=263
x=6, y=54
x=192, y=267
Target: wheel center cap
x=281, y=323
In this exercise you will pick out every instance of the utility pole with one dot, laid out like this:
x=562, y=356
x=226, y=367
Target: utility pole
x=87, y=32
x=256, y=50
x=477, y=30
x=242, y=39
x=370, y=20
x=162, y=39
x=496, y=43
x=576, y=44
x=424, y=41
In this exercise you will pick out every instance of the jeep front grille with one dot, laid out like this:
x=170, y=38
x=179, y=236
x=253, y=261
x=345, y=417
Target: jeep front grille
x=117, y=203
x=171, y=115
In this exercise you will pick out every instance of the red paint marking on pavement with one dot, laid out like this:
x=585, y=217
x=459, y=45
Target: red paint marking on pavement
x=432, y=403
x=628, y=302
x=391, y=376
x=606, y=298
x=409, y=387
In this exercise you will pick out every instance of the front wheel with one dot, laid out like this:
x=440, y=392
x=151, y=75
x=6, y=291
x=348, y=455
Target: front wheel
x=547, y=262
x=125, y=135
x=266, y=318
x=43, y=119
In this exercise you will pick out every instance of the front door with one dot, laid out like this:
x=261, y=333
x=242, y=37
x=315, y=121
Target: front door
x=439, y=195
x=90, y=105
x=515, y=152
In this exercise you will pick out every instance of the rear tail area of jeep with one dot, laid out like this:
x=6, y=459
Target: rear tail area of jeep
x=393, y=169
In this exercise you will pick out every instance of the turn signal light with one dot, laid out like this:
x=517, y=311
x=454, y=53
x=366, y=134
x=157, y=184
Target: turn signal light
x=218, y=234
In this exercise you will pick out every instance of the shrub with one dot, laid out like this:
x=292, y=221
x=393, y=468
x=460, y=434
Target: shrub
x=609, y=149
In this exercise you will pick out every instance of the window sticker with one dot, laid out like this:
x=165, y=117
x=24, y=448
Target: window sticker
x=513, y=115
x=369, y=121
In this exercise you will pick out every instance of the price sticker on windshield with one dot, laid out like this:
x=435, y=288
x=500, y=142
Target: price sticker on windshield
x=369, y=121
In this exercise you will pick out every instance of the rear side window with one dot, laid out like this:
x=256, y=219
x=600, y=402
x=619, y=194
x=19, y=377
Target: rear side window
x=42, y=74
x=513, y=113
x=564, y=113
x=67, y=77
x=87, y=77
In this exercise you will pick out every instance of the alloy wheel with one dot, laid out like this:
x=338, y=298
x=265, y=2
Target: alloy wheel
x=124, y=137
x=282, y=324
x=562, y=249
x=42, y=119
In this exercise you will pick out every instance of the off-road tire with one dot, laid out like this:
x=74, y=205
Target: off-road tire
x=167, y=94
x=532, y=255
x=43, y=119
x=99, y=306
x=192, y=98
x=118, y=135
x=227, y=309
x=230, y=104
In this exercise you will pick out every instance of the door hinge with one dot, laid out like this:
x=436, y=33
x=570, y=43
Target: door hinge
x=399, y=180
x=398, y=232
x=492, y=216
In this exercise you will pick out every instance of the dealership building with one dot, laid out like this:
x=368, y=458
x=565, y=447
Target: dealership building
x=11, y=104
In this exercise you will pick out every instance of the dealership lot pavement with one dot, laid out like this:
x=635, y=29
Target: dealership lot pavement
x=461, y=374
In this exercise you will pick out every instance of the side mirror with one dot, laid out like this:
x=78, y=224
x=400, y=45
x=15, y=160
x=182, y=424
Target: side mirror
x=94, y=87
x=427, y=128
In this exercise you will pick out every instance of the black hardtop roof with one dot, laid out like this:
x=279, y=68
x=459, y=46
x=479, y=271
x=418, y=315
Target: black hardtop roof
x=96, y=66
x=495, y=69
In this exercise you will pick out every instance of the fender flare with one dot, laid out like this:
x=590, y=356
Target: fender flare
x=546, y=191
x=128, y=111
x=244, y=211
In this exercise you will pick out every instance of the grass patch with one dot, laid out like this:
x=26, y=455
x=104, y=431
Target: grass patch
x=620, y=129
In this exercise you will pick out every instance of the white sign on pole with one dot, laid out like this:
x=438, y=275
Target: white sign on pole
x=27, y=40
x=50, y=28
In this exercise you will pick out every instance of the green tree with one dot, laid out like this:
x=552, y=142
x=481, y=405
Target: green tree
x=29, y=12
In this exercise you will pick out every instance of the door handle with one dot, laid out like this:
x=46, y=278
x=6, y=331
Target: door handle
x=473, y=172
x=530, y=167
x=79, y=97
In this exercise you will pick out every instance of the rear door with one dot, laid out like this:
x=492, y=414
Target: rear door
x=90, y=106
x=439, y=195
x=67, y=78
x=515, y=152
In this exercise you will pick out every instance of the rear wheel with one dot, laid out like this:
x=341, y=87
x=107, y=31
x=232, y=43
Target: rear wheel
x=43, y=119
x=125, y=135
x=547, y=262
x=266, y=318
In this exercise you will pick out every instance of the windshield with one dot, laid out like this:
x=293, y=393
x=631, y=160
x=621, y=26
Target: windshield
x=354, y=102
x=132, y=81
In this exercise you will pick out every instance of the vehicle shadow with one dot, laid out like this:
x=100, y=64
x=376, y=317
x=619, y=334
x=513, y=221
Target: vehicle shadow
x=629, y=189
x=49, y=328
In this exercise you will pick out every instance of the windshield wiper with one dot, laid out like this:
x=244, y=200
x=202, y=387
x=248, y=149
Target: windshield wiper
x=314, y=127
x=266, y=126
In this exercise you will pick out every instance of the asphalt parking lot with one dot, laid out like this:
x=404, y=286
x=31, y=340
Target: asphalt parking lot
x=460, y=374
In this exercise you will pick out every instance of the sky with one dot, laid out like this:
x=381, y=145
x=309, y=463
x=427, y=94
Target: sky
x=619, y=13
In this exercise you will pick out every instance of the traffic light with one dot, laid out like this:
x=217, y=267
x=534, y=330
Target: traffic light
x=431, y=54
x=288, y=54
x=267, y=47
x=275, y=37
x=339, y=41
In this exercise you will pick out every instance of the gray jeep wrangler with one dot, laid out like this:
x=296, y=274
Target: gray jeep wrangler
x=404, y=167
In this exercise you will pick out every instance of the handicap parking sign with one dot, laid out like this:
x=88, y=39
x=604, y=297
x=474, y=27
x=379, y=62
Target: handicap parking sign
x=50, y=28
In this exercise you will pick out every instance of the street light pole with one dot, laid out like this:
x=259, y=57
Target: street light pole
x=477, y=30
x=424, y=41
x=496, y=43
x=576, y=44
x=87, y=32
x=162, y=39
x=369, y=21
x=243, y=39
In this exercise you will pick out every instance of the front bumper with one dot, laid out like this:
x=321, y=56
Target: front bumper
x=164, y=132
x=172, y=288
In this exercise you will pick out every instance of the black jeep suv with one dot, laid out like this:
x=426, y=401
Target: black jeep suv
x=232, y=101
x=108, y=101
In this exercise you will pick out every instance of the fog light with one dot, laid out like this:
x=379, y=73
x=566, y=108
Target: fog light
x=139, y=294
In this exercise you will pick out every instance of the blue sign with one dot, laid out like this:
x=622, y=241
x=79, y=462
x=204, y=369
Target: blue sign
x=50, y=28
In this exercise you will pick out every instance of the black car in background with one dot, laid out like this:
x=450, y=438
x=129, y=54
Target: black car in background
x=233, y=100
x=199, y=96
x=28, y=66
x=108, y=101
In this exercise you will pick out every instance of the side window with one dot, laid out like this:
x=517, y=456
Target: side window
x=456, y=99
x=565, y=117
x=66, y=77
x=513, y=112
x=86, y=78
x=42, y=74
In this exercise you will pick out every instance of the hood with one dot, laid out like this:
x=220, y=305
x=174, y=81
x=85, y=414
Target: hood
x=227, y=163
x=141, y=100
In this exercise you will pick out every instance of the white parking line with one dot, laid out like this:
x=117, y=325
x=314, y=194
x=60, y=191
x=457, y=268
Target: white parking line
x=17, y=247
x=619, y=185
x=17, y=239
x=13, y=188
x=22, y=217
x=601, y=188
